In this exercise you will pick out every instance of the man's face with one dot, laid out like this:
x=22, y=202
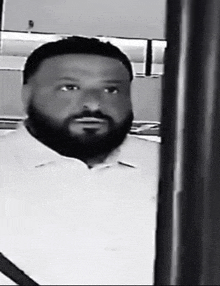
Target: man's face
x=84, y=96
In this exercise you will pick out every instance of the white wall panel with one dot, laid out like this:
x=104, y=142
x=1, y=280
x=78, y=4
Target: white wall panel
x=123, y=18
x=10, y=93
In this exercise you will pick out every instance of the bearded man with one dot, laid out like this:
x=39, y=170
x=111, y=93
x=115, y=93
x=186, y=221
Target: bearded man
x=78, y=193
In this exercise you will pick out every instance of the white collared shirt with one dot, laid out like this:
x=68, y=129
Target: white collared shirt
x=65, y=224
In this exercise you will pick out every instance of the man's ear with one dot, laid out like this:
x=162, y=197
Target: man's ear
x=26, y=95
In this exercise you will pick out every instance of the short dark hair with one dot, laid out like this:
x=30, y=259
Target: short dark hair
x=73, y=45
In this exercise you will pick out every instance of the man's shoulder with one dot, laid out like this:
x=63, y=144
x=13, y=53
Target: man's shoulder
x=143, y=153
x=140, y=145
x=9, y=139
x=12, y=144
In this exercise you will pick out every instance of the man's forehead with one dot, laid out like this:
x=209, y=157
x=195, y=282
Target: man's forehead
x=83, y=64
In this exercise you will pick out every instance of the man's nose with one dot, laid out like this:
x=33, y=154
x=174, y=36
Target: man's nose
x=91, y=100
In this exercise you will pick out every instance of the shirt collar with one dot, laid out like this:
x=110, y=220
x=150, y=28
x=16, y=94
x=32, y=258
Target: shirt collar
x=32, y=153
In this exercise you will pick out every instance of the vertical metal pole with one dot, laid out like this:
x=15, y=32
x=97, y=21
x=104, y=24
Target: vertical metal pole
x=1, y=16
x=188, y=235
x=1, y=13
x=167, y=132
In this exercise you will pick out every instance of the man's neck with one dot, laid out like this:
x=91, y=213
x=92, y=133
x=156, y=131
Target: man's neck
x=92, y=162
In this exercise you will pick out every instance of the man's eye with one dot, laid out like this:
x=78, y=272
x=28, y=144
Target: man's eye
x=113, y=90
x=69, y=87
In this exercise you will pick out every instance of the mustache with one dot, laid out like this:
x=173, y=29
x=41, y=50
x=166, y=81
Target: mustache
x=87, y=113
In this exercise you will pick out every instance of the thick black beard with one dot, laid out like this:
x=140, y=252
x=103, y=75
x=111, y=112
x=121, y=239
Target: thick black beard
x=60, y=140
